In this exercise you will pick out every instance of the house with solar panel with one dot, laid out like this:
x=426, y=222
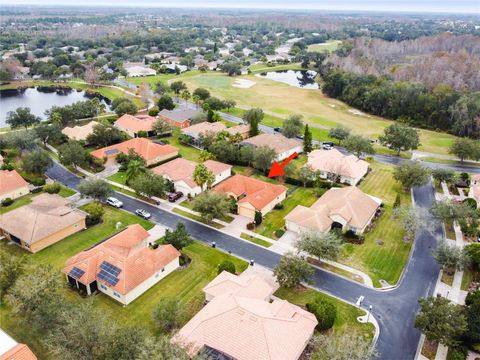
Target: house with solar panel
x=123, y=266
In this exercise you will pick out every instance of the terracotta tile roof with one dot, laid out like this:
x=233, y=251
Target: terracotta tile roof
x=203, y=128
x=256, y=192
x=247, y=285
x=19, y=352
x=128, y=250
x=10, y=180
x=147, y=149
x=181, y=169
x=350, y=203
x=44, y=216
x=277, y=142
x=333, y=161
x=247, y=327
x=135, y=123
x=79, y=132
x=239, y=129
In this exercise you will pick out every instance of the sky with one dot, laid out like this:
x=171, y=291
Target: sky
x=439, y=6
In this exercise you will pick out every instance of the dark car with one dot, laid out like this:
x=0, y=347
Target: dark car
x=277, y=129
x=175, y=196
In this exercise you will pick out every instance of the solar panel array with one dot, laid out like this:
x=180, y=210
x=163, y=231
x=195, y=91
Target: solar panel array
x=108, y=273
x=76, y=273
x=111, y=151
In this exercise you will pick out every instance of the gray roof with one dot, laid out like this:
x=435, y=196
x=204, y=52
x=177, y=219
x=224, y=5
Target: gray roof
x=179, y=114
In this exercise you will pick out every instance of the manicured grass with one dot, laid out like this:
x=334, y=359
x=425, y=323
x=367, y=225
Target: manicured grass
x=186, y=151
x=274, y=96
x=189, y=205
x=196, y=218
x=447, y=278
x=468, y=276
x=153, y=80
x=274, y=220
x=66, y=192
x=21, y=201
x=255, y=240
x=328, y=46
x=341, y=272
x=346, y=320
x=262, y=67
x=448, y=161
x=119, y=177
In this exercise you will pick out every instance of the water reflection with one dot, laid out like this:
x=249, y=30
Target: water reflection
x=301, y=78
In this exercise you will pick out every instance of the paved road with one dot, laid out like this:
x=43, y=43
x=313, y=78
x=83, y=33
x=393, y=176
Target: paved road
x=394, y=309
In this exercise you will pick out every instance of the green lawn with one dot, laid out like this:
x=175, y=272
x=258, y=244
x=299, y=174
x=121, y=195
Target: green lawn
x=189, y=205
x=153, y=80
x=186, y=151
x=256, y=240
x=262, y=67
x=274, y=220
x=24, y=200
x=119, y=177
x=346, y=320
x=328, y=46
x=66, y=192
x=196, y=218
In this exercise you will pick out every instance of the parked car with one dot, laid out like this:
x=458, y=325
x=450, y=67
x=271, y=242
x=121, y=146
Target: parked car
x=175, y=196
x=143, y=213
x=277, y=129
x=114, y=202
x=327, y=145
x=300, y=137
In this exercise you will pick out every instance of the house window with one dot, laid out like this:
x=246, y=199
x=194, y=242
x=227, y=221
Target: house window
x=116, y=294
x=103, y=287
x=163, y=269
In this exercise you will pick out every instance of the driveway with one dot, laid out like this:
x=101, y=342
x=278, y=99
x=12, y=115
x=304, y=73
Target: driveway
x=394, y=310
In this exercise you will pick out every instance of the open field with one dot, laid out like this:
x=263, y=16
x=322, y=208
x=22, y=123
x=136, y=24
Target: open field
x=262, y=67
x=328, y=46
x=317, y=109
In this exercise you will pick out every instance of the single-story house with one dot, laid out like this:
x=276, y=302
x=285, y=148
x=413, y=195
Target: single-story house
x=79, y=132
x=151, y=152
x=180, y=172
x=132, y=125
x=242, y=129
x=174, y=68
x=48, y=219
x=140, y=70
x=12, y=350
x=12, y=185
x=179, y=117
x=123, y=266
x=195, y=132
x=283, y=146
x=332, y=164
x=346, y=208
x=252, y=195
x=242, y=321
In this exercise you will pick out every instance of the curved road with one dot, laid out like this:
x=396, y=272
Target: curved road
x=394, y=309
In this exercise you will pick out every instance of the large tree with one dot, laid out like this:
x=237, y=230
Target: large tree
x=36, y=162
x=162, y=127
x=292, y=270
x=104, y=135
x=441, y=320
x=11, y=268
x=203, y=94
x=465, y=148
x=149, y=184
x=126, y=107
x=177, y=87
x=211, y=204
x=410, y=174
x=22, y=116
x=73, y=153
x=167, y=315
x=253, y=117
x=179, y=238
x=307, y=139
x=466, y=115
x=320, y=245
x=202, y=176
x=263, y=159
x=347, y=346
x=49, y=133
x=450, y=257
x=306, y=174
x=165, y=103
x=95, y=188
x=292, y=126
x=340, y=133
x=358, y=145
x=400, y=137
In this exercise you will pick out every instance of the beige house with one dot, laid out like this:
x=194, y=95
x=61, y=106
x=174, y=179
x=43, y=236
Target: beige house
x=195, y=132
x=123, y=266
x=180, y=172
x=283, y=146
x=242, y=321
x=333, y=165
x=45, y=221
x=252, y=195
x=79, y=132
x=346, y=208
x=132, y=125
x=12, y=185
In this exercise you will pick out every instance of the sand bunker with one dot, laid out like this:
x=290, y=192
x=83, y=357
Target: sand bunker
x=243, y=83
x=357, y=112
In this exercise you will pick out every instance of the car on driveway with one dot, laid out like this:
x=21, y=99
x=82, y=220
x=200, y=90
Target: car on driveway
x=327, y=145
x=114, y=202
x=277, y=129
x=143, y=213
x=175, y=196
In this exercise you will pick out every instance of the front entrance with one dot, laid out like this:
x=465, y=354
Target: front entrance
x=336, y=226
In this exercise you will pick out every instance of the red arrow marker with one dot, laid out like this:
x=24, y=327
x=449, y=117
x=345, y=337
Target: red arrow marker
x=277, y=169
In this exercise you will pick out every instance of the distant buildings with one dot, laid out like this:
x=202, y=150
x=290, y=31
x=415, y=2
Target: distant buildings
x=139, y=70
x=45, y=221
x=346, y=208
x=12, y=185
x=252, y=195
x=151, y=152
x=123, y=266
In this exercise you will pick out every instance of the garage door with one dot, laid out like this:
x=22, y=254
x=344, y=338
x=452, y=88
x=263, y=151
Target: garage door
x=250, y=213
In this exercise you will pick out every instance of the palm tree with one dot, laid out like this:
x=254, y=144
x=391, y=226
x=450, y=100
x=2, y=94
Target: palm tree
x=186, y=95
x=202, y=176
x=196, y=99
x=134, y=168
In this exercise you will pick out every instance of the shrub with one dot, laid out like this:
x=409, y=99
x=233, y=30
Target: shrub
x=153, y=111
x=7, y=202
x=258, y=218
x=227, y=266
x=471, y=202
x=35, y=180
x=142, y=134
x=95, y=212
x=278, y=206
x=325, y=312
x=279, y=233
x=8, y=167
x=36, y=190
x=251, y=225
x=458, y=353
x=472, y=297
x=53, y=188
x=397, y=201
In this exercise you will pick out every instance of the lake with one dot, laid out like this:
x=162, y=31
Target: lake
x=304, y=79
x=39, y=100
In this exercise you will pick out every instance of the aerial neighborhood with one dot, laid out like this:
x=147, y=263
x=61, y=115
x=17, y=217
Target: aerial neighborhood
x=251, y=185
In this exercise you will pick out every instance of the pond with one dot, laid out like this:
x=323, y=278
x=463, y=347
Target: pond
x=39, y=100
x=304, y=79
